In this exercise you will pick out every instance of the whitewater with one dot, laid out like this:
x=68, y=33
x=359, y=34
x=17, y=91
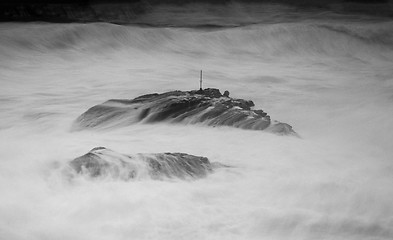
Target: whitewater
x=330, y=78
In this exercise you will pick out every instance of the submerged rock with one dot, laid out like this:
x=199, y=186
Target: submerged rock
x=103, y=162
x=206, y=106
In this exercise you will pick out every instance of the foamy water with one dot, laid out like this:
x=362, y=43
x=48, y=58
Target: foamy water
x=332, y=80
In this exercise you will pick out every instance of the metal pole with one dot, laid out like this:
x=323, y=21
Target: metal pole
x=200, y=82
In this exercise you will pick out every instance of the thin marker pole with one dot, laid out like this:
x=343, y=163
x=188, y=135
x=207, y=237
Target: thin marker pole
x=200, y=82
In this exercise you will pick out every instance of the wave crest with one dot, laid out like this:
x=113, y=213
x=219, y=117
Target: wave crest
x=274, y=40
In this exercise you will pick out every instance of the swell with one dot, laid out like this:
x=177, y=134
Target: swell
x=271, y=40
x=372, y=35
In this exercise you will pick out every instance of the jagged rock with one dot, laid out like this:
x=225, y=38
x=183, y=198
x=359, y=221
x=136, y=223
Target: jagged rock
x=206, y=106
x=103, y=162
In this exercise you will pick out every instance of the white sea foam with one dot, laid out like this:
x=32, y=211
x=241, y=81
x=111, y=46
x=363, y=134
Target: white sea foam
x=331, y=80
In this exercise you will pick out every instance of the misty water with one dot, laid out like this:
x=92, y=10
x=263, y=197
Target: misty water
x=330, y=77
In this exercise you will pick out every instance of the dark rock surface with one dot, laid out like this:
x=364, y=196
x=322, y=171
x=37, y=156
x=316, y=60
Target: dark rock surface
x=206, y=106
x=103, y=162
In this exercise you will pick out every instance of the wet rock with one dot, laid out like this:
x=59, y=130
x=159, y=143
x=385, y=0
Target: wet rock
x=281, y=129
x=103, y=162
x=208, y=107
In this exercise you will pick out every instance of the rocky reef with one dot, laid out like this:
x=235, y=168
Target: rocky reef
x=103, y=162
x=208, y=107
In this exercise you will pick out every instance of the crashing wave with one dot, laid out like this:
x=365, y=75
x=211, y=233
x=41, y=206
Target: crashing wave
x=103, y=162
x=206, y=106
x=267, y=41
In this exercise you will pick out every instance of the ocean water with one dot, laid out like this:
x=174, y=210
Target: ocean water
x=329, y=76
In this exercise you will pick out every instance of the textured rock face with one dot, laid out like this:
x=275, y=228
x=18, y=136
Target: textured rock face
x=102, y=162
x=206, y=106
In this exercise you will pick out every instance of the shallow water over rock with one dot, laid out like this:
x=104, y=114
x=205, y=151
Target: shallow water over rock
x=102, y=162
x=206, y=106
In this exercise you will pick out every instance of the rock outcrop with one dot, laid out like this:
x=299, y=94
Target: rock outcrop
x=206, y=106
x=103, y=162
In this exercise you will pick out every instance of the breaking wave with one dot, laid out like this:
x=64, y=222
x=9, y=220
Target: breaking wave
x=273, y=40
